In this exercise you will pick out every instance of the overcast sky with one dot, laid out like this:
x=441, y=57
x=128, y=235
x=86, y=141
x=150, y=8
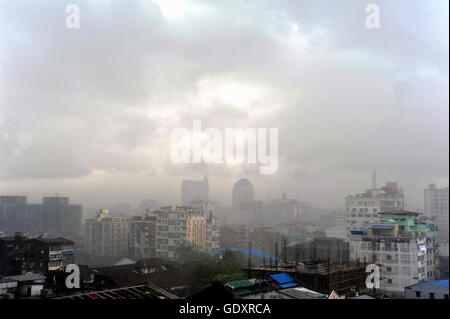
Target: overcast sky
x=88, y=112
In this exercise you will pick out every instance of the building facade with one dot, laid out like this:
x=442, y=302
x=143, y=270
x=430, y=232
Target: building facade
x=436, y=207
x=362, y=209
x=437, y=289
x=19, y=255
x=243, y=192
x=142, y=237
x=177, y=226
x=55, y=215
x=194, y=190
x=107, y=234
x=404, y=246
x=284, y=210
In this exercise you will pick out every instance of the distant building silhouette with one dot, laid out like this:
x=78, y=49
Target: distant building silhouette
x=243, y=191
x=194, y=190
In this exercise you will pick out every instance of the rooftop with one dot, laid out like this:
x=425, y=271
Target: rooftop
x=146, y=291
x=303, y=293
x=400, y=212
x=437, y=283
x=26, y=277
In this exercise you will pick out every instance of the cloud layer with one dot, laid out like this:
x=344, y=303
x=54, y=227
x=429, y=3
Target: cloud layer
x=88, y=112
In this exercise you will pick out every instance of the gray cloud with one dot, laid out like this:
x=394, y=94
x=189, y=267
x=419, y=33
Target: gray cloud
x=91, y=110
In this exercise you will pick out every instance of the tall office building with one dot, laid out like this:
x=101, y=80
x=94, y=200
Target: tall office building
x=243, y=192
x=107, y=234
x=194, y=190
x=436, y=207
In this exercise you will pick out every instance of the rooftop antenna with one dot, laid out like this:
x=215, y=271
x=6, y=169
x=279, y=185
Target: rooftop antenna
x=276, y=256
x=249, y=259
x=374, y=179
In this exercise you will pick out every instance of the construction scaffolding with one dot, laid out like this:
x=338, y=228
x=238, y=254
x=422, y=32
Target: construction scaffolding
x=321, y=277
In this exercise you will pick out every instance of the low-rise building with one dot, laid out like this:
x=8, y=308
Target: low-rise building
x=26, y=285
x=437, y=289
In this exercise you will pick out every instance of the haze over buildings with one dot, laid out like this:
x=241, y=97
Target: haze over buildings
x=88, y=112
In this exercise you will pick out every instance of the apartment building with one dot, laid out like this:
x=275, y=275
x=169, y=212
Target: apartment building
x=403, y=244
x=362, y=209
x=19, y=254
x=142, y=237
x=107, y=234
x=55, y=215
x=182, y=225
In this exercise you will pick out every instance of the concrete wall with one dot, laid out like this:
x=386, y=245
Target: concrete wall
x=424, y=292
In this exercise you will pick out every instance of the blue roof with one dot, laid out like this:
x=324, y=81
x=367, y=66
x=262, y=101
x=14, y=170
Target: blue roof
x=381, y=227
x=437, y=283
x=359, y=232
x=291, y=284
x=282, y=278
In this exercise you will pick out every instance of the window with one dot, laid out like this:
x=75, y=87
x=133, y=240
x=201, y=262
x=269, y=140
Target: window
x=389, y=268
x=418, y=294
x=431, y=295
x=389, y=281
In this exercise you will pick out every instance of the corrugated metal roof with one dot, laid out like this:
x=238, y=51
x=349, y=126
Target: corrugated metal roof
x=282, y=278
x=27, y=277
x=240, y=283
x=288, y=285
x=242, y=292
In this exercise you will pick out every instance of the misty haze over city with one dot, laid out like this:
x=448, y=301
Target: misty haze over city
x=87, y=113
x=236, y=152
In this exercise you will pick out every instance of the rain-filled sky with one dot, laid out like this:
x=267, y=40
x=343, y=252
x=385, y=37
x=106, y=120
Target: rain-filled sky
x=87, y=112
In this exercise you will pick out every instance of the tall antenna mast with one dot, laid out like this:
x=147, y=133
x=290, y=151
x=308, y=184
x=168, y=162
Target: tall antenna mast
x=374, y=179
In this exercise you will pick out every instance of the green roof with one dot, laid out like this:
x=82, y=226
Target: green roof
x=242, y=292
x=240, y=283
